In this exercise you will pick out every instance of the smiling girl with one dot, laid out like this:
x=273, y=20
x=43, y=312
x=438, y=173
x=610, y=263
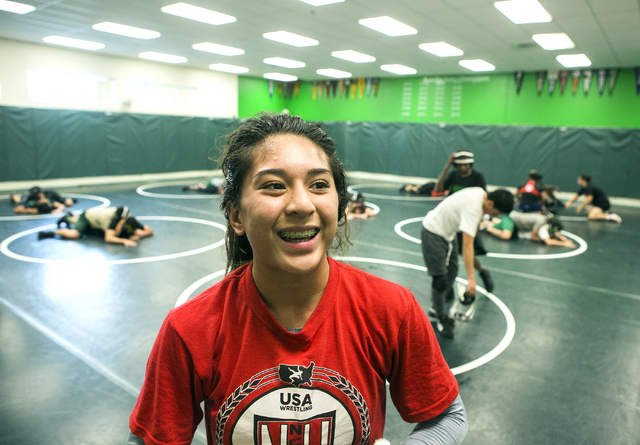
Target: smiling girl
x=292, y=346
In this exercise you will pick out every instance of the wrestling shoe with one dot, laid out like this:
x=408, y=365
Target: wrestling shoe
x=613, y=217
x=445, y=325
x=487, y=280
x=43, y=235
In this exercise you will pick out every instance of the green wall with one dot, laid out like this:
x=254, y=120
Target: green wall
x=487, y=99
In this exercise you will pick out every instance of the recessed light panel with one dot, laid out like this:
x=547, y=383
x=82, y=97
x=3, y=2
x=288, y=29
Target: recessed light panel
x=228, y=68
x=160, y=57
x=398, y=69
x=214, y=48
x=523, y=11
x=285, y=63
x=321, y=2
x=73, y=43
x=329, y=72
x=124, y=30
x=15, y=7
x=554, y=41
x=197, y=13
x=477, y=65
x=279, y=76
x=353, y=56
x=574, y=60
x=441, y=49
x=387, y=25
x=290, y=38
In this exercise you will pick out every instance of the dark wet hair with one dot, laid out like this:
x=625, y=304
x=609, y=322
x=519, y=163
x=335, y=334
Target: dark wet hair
x=555, y=225
x=586, y=178
x=502, y=200
x=238, y=157
x=45, y=207
x=129, y=227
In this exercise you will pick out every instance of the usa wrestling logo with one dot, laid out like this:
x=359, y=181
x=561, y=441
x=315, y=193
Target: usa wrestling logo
x=294, y=405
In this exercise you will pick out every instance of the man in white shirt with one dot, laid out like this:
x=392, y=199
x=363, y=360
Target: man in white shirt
x=460, y=212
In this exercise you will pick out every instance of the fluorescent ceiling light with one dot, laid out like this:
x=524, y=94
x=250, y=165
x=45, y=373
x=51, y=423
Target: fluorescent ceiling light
x=124, y=30
x=218, y=49
x=286, y=63
x=321, y=2
x=477, y=65
x=74, y=43
x=523, y=11
x=441, y=49
x=330, y=72
x=279, y=76
x=353, y=56
x=197, y=13
x=228, y=68
x=159, y=57
x=387, y=25
x=554, y=41
x=17, y=8
x=574, y=60
x=398, y=69
x=290, y=38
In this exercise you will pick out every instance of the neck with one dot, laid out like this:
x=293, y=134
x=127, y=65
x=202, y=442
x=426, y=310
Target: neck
x=291, y=298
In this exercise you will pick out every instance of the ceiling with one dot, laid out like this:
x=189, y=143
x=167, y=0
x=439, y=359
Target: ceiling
x=607, y=31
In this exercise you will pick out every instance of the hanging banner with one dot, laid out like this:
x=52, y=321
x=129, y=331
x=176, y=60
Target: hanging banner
x=279, y=88
x=575, y=80
x=369, y=83
x=353, y=90
x=553, y=79
x=291, y=86
x=586, y=83
x=564, y=76
x=328, y=87
x=340, y=87
x=271, y=89
x=315, y=90
x=347, y=87
x=519, y=77
x=334, y=87
x=637, y=80
x=602, y=80
x=613, y=76
x=376, y=84
x=361, y=83
x=321, y=88
x=297, y=89
x=541, y=75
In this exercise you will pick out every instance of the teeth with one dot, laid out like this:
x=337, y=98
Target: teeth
x=299, y=235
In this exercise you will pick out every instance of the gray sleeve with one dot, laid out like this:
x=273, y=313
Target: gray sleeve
x=134, y=440
x=449, y=428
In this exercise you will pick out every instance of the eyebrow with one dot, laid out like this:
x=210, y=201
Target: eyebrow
x=282, y=172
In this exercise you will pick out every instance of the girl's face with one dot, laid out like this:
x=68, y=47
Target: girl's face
x=288, y=206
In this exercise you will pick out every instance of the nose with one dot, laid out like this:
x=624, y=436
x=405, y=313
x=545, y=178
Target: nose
x=300, y=201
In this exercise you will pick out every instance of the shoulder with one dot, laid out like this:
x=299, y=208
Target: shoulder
x=370, y=288
x=211, y=304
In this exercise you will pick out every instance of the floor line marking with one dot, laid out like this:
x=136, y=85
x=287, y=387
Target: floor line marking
x=81, y=355
x=565, y=283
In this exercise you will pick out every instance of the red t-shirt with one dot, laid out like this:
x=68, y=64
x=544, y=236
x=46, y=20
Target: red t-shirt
x=264, y=385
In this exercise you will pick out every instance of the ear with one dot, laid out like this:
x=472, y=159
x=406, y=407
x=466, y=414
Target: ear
x=235, y=219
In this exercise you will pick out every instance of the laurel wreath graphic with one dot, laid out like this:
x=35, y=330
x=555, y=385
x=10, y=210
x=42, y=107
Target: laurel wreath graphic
x=319, y=375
